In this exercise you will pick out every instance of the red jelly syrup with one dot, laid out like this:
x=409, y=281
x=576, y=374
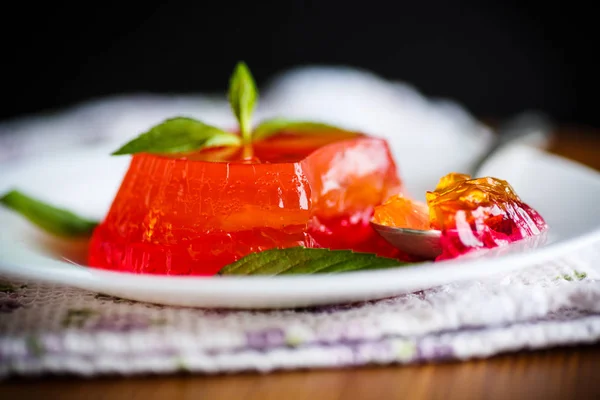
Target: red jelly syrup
x=194, y=214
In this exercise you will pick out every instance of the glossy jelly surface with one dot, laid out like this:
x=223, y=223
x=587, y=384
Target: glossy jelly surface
x=471, y=213
x=402, y=212
x=193, y=215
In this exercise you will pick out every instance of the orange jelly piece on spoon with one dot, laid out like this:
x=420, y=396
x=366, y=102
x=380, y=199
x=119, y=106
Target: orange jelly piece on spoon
x=194, y=214
x=401, y=212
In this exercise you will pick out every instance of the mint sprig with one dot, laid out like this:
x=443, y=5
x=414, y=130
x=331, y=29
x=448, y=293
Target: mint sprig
x=54, y=220
x=178, y=135
x=302, y=260
x=243, y=96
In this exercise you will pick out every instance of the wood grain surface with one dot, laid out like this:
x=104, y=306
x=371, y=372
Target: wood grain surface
x=563, y=373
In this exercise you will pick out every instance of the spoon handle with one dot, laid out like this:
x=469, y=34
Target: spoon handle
x=533, y=128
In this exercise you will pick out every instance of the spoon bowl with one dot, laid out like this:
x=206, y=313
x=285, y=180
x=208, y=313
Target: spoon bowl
x=415, y=242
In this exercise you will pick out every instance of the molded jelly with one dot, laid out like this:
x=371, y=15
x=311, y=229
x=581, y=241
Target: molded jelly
x=194, y=214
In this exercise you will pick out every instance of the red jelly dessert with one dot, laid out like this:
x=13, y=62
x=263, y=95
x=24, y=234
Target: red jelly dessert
x=471, y=213
x=194, y=214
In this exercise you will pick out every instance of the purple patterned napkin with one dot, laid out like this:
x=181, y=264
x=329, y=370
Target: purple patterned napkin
x=45, y=328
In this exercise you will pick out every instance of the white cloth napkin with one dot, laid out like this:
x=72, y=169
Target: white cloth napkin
x=46, y=328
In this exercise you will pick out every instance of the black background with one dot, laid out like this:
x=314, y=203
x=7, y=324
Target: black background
x=496, y=58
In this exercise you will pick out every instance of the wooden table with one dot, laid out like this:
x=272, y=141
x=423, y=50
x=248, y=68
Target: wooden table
x=564, y=373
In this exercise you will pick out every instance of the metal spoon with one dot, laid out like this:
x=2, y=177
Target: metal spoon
x=426, y=243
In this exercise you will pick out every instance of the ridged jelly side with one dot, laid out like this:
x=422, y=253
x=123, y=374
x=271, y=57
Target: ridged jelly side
x=181, y=217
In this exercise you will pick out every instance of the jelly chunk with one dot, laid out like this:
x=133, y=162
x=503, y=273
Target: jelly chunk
x=194, y=214
x=402, y=212
x=471, y=213
x=480, y=213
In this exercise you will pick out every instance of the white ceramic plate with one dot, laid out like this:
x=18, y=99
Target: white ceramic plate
x=565, y=193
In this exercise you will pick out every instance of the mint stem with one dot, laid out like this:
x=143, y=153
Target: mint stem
x=248, y=151
x=246, y=130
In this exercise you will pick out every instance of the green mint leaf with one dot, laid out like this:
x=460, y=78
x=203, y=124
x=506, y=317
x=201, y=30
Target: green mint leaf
x=302, y=260
x=243, y=96
x=179, y=135
x=51, y=219
x=273, y=126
